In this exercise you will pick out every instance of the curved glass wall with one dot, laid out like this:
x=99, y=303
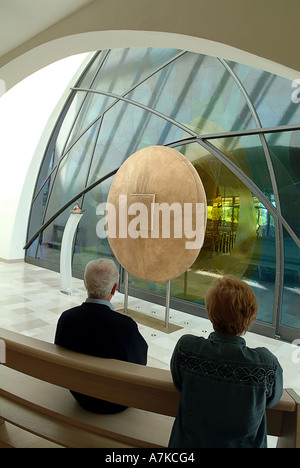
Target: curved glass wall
x=238, y=126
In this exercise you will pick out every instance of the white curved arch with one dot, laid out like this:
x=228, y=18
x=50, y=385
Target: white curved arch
x=49, y=52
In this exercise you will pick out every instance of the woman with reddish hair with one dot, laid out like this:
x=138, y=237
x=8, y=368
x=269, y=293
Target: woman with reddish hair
x=225, y=386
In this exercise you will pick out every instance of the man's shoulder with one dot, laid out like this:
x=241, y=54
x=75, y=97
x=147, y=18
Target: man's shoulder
x=124, y=319
x=98, y=313
x=72, y=311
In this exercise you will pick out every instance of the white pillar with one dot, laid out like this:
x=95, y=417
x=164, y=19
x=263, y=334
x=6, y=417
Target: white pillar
x=66, y=254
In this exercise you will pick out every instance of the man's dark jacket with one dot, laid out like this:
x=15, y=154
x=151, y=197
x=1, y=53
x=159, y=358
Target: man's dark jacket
x=94, y=328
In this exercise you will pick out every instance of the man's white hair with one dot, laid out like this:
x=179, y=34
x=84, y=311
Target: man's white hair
x=100, y=276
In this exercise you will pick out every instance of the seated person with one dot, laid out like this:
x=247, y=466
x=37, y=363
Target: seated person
x=225, y=386
x=94, y=328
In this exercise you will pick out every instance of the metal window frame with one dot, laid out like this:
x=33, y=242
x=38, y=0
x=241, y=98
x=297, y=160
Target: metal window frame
x=206, y=141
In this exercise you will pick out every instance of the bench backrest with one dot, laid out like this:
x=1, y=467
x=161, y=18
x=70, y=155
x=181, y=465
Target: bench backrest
x=125, y=383
x=121, y=382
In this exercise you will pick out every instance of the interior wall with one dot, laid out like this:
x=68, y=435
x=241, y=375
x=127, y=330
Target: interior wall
x=28, y=113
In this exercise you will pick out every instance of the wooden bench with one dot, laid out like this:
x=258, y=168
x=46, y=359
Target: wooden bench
x=34, y=396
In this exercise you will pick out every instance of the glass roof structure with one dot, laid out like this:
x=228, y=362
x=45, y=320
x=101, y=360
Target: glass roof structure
x=239, y=127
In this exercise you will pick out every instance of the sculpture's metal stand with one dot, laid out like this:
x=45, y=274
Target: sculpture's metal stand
x=167, y=312
x=126, y=292
x=66, y=254
x=168, y=294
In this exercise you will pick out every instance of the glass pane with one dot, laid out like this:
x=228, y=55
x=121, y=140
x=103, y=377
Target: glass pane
x=73, y=172
x=291, y=291
x=156, y=288
x=124, y=68
x=239, y=236
x=93, y=106
x=31, y=251
x=37, y=211
x=247, y=153
x=51, y=238
x=46, y=168
x=285, y=154
x=270, y=94
x=261, y=274
x=125, y=130
x=59, y=139
x=88, y=245
x=67, y=124
x=198, y=92
x=88, y=79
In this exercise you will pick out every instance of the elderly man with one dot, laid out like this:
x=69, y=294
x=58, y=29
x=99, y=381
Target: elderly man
x=94, y=328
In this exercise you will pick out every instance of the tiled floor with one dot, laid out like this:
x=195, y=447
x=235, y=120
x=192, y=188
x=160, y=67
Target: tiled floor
x=31, y=303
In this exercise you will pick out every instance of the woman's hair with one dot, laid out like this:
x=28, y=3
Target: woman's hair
x=100, y=276
x=231, y=305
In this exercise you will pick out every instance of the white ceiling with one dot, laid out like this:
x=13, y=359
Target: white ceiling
x=27, y=45
x=22, y=19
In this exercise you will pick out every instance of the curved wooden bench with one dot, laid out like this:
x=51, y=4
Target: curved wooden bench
x=34, y=396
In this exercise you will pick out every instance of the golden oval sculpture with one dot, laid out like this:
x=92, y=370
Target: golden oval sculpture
x=156, y=214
